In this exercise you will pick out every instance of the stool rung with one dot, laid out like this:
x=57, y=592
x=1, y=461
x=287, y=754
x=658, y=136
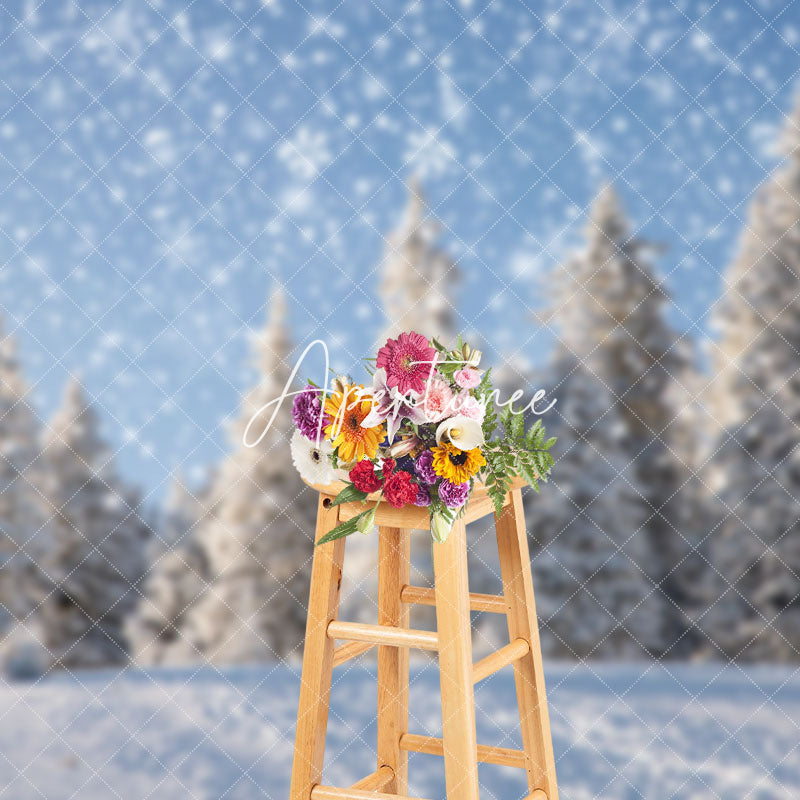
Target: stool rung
x=332, y=793
x=491, y=603
x=350, y=650
x=494, y=662
x=383, y=634
x=375, y=782
x=414, y=743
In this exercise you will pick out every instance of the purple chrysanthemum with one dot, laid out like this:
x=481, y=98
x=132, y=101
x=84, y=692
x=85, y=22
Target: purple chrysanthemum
x=423, y=466
x=307, y=410
x=453, y=495
x=423, y=497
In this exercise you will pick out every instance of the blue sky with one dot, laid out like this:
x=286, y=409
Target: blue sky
x=163, y=164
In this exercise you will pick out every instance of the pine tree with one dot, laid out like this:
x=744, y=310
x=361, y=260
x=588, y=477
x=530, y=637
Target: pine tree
x=183, y=509
x=611, y=316
x=90, y=575
x=591, y=558
x=24, y=533
x=753, y=476
x=177, y=577
x=417, y=293
x=756, y=320
x=754, y=603
x=417, y=276
x=258, y=534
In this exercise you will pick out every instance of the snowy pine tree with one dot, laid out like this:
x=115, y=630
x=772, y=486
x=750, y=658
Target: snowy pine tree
x=417, y=276
x=611, y=317
x=258, y=534
x=754, y=473
x=591, y=560
x=90, y=574
x=183, y=509
x=24, y=533
x=177, y=577
x=756, y=318
x=417, y=293
x=754, y=600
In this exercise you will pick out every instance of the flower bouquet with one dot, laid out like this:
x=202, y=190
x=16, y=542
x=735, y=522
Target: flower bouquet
x=422, y=434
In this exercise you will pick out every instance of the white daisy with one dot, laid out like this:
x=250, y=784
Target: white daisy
x=312, y=462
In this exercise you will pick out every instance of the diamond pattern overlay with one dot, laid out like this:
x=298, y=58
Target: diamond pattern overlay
x=603, y=197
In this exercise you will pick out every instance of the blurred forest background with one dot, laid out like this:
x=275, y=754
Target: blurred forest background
x=669, y=528
x=178, y=185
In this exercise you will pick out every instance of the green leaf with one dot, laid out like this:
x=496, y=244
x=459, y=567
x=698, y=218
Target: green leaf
x=498, y=495
x=505, y=419
x=489, y=423
x=528, y=475
x=343, y=529
x=485, y=386
x=518, y=426
x=348, y=495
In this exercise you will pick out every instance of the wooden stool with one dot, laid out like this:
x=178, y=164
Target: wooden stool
x=452, y=641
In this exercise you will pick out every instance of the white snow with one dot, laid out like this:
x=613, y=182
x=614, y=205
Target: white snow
x=621, y=731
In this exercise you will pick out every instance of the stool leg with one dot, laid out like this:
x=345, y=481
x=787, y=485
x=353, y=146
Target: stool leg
x=515, y=566
x=315, y=687
x=394, y=572
x=455, y=665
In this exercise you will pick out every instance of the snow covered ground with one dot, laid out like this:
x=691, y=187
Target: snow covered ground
x=624, y=731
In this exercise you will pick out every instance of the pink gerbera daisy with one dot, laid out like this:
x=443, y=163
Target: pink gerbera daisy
x=408, y=361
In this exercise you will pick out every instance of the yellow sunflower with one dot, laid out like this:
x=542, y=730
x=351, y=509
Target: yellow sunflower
x=457, y=466
x=346, y=410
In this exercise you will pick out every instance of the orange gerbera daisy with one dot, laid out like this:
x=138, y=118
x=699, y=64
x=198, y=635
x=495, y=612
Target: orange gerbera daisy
x=347, y=409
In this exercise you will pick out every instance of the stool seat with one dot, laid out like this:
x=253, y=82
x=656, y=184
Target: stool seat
x=413, y=517
x=452, y=643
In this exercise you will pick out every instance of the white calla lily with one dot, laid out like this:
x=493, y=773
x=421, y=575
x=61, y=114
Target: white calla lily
x=462, y=432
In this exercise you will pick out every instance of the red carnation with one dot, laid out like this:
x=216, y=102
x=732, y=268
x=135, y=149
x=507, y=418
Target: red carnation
x=387, y=468
x=364, y=478
x=399, y=490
